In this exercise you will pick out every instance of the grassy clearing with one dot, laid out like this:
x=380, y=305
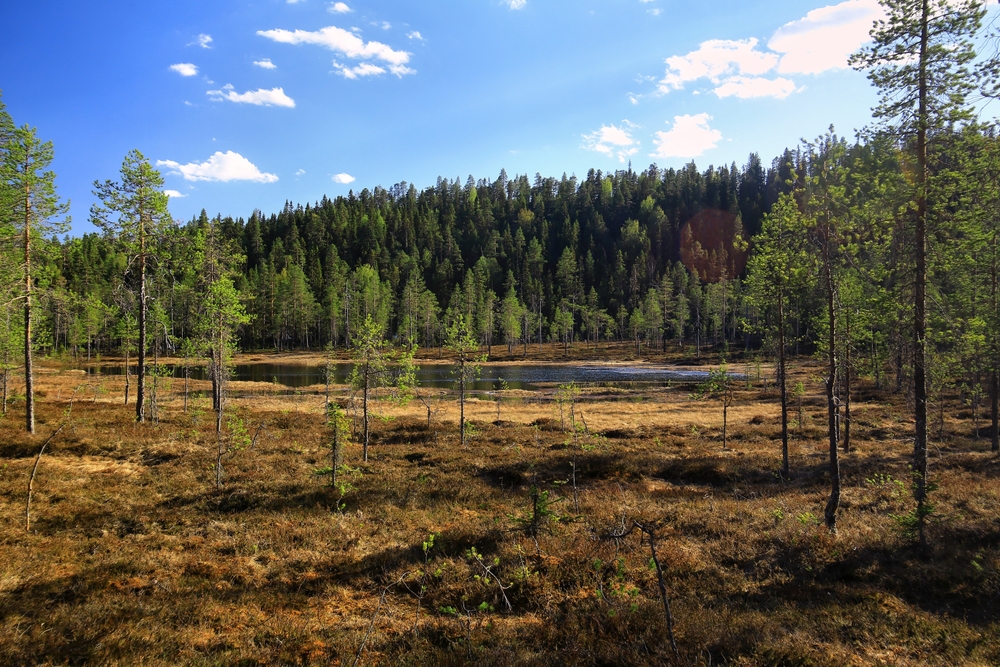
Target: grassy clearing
x=134, y=557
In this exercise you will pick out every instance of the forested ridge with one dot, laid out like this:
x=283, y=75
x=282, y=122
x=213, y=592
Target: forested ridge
x=591, y=248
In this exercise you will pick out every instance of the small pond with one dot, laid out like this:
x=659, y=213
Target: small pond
x=525, y=376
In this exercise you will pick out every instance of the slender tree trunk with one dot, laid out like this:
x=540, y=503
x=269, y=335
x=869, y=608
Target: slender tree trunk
x=785, y=468
x=219, y=411
x=461, y=399
x=365, y=412
x=334, y=451
x=830, y=515
x=847, y=384
x=140, y=390
x=920, y=286
x=127, y=379
x=29, y=380
x=725, y=424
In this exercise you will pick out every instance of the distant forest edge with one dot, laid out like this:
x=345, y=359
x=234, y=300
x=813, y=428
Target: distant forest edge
x=633, y=255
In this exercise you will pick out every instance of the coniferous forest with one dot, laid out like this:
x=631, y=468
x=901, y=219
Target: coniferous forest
x=821, y=490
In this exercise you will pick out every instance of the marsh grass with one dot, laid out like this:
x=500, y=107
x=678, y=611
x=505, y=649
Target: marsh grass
x=133, y=556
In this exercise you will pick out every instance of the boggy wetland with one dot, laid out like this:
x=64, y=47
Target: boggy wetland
x=257, y=412
x=532, y=539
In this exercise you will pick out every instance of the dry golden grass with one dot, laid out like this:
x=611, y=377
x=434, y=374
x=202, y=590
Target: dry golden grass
x=135, y=558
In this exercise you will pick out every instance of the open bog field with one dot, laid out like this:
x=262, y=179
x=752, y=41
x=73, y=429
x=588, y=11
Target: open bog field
x=134, y=557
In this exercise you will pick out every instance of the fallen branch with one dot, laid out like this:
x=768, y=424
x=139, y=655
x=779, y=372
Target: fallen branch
x=378, y=608
x=31, y=480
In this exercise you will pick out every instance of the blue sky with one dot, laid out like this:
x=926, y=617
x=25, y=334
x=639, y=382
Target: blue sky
x=248, y=104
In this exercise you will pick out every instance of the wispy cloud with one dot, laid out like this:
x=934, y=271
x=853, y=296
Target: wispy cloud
x=516, y=4
x=343, y=179
x=689, y=137
x=745, y=87
x=221, y=167
x=184, y=69
x=173, y=194
x=203, y=40
x=273, y=97
x=415, y=35
x=346, y=43
x=338, y=8
x=300, y=172
x=364, y=69
x=613, y=141
x=265, y=63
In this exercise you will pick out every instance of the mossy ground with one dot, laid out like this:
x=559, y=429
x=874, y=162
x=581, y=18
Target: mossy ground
x=134, y=557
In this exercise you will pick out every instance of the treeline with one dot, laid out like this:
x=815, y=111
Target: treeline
x=598, y=258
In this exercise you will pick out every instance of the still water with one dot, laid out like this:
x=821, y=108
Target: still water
x=527, y=377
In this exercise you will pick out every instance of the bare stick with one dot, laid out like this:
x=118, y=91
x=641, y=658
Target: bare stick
x=31, y=480
x=663, y=589
x=378, y=608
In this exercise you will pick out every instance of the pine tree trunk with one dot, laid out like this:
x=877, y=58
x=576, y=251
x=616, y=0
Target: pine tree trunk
x=140, y=390
x=920, y=286
x=785, y=468
x=29, y=380
x=127, y=377
x=847, y=385
x=461, y=399
x=365, y=412
x=830, y=514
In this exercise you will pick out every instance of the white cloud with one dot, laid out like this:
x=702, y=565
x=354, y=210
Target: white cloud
x=612, y=141
x=516, y=4
x=300, y=172
x=715, y=60
x=338, y=8
x=655, y=12
x=386, y=25
x=689, y=137
x=364, y=69
x=745, y=87
x=415, y=35
x=173, y=194
x=825, y=37
x=265, y=63
x=346, y=43
x=273, y=97
x=344, y=179
x=184, y=69
x=203, y=40
x=821, y=41
x=223, y=167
